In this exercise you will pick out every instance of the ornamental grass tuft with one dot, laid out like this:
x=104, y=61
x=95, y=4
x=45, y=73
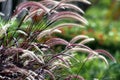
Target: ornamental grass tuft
x=28, y=49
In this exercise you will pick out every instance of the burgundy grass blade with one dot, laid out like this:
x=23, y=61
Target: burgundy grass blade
x=67, y=14
x=56, y=41
x=13, y=51
x=24, y=5
x=52, y=77
x=62, y=25
x=58, y=58
x=76, y=38
x=84, y=1
x=71, y=6
x=101, y=51
x=76, y=77
x=61, y=5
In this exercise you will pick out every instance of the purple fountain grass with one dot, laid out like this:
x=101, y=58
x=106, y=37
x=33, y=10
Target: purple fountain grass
x=47, y=32
x=104, y=52
x=76, y=38
x=30, y=52
x=84, y=1
x=30, y=4
x=56, y=41
x=87, y=40
x=62, y=5
x=67, y=14
x=74, y=77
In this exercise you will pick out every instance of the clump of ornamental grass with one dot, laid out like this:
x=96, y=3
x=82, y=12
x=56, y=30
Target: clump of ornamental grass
x=28, y=52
